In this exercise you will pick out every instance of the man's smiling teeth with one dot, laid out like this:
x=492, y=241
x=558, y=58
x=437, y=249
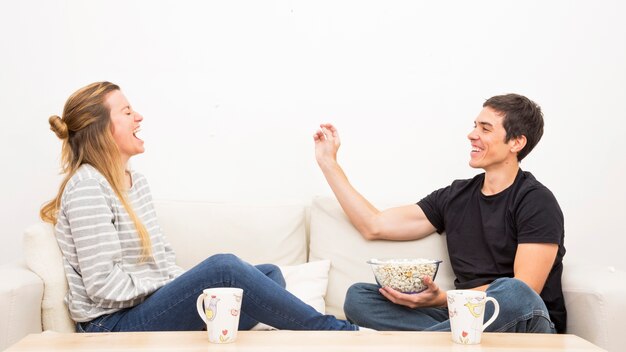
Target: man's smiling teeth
x=137, y=130
x=476, y=149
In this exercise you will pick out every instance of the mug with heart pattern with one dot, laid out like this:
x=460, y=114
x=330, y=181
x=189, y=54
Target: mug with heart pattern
x=220, y=309
x=466, y=309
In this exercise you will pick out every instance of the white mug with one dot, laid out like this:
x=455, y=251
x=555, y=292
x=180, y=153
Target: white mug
x=220, y=309
x=467, y=311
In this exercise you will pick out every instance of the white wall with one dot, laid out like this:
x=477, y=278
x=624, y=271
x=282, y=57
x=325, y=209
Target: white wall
x=232, y=92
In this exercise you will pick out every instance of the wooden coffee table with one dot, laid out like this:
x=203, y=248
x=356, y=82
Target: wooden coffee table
x=276, y=341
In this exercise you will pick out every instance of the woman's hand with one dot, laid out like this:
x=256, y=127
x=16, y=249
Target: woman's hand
x=326, y=144
x=431, y=297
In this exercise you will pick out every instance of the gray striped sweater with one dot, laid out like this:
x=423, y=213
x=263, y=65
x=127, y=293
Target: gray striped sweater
x=101, y=247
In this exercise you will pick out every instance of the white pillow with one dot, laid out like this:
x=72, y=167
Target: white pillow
x=308, y=282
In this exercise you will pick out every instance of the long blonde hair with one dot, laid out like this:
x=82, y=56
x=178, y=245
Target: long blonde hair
x=85, y=130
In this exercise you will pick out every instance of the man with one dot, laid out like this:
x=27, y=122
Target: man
x=504, y=230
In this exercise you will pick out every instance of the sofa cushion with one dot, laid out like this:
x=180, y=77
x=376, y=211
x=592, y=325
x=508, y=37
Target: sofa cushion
x=333, y=237
x=256, y=233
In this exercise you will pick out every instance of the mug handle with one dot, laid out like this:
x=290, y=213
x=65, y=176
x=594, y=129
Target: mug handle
x=200, y=307
x=495, y=312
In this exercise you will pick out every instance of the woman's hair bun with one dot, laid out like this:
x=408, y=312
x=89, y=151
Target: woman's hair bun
x=58, y=126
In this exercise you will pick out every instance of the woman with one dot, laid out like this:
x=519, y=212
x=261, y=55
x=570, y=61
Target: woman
x=121, y=270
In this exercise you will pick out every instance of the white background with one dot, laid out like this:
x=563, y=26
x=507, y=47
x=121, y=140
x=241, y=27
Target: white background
x=232, y=92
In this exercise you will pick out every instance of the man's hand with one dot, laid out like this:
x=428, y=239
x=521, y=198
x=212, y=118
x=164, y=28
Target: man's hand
x=326, y=143
x=431, y=297
x=403, y=223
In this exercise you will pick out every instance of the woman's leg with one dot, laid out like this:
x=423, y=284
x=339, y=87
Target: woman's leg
x=267, y=302
x=365, y=306
x=173, y=307
x=274, y=273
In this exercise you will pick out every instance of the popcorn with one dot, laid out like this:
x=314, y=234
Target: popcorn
x=404, y=275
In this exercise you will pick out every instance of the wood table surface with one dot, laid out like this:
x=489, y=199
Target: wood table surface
x=276, y=341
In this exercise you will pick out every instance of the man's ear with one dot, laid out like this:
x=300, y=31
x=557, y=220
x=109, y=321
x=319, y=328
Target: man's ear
x=517, y=144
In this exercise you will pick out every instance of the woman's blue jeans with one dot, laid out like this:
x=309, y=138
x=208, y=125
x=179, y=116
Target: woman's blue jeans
x=173, y=306
x=521, y=310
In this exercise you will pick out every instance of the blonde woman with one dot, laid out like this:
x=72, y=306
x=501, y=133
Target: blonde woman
x=120, y=268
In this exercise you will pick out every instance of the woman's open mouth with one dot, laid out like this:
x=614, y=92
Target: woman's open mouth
x=136, y=131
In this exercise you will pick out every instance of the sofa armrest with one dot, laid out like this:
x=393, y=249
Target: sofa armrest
x=21, y=292
x=43, y=257
x=594, y=297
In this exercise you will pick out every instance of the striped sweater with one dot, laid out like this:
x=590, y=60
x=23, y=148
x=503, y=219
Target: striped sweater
x=101, y=247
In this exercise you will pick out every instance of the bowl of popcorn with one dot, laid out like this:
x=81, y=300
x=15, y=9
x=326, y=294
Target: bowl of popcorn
x=404, y=275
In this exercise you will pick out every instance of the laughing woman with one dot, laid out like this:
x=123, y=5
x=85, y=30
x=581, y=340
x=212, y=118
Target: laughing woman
x=120, y=268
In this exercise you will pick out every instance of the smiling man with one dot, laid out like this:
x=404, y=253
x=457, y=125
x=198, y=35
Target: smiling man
x=504, y=230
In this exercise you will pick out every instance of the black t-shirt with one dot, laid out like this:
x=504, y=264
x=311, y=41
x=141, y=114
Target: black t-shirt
x=483, y=232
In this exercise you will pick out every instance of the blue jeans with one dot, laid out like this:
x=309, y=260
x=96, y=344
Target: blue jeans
x=173, y=306
x=521, y=310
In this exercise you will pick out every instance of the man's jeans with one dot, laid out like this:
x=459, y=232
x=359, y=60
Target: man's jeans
x=521, y=310
x=173, y=306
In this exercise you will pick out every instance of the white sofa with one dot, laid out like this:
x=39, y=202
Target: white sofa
x=320, y=252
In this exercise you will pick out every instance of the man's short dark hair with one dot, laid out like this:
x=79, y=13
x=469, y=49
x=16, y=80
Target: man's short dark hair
x=522, y=117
